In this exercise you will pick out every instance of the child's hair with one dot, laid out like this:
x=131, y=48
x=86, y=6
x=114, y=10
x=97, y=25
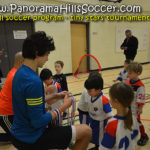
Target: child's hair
x=37, y=44
x=125, y=95
x=127, y=61
x=60, y=62
x=45, y=74
x=94, y=82
x=134, y=67
x=94, y=73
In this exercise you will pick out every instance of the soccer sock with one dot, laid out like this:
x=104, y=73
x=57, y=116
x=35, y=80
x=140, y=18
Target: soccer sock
x=142, y=130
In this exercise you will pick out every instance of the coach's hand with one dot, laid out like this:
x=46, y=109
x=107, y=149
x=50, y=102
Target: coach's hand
x=67, y=100
x=63, y=94
x=67, y=103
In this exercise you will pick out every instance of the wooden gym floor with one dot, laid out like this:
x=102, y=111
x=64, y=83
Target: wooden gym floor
x=77, y=85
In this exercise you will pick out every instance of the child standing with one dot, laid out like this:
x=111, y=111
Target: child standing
x=47, y=77
x=59, y=76
x=121, y=130
x=61, y=79
x=83, y=104
x=134, y=69
x=123, y=74
x=99, y=109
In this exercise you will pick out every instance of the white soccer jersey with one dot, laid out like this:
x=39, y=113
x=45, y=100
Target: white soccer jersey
x=116, y=137
x=122, y=76
x=139, y=94
x=99, y=108
x=84, y=101
x=59, y=102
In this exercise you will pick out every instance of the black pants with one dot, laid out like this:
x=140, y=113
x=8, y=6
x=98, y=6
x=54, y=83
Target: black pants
x=53, y=138
x=5, y=123
x=130, y=57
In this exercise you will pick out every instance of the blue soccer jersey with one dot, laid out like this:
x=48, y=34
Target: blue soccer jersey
x=30, y=119
x=116, y=137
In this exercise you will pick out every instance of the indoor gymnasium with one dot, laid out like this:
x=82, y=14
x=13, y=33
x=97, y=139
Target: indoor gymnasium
x=74, y=74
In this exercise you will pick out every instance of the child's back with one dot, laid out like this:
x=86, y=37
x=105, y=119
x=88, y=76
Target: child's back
x=117, y=137
x=121, y=130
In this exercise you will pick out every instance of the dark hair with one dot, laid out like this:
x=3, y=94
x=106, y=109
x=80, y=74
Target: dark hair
x=134, y=67
x=94, y=73
x=125, y=95
x=45, y=74
x=37, y=44
x=94, y=82
x=127, y=61
x=60, y=62
x=128, y=31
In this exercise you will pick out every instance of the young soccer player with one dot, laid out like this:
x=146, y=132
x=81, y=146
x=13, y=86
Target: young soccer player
x=83, y=104
x=59, y=76
x=121, y=130
x=99, y=109
x=123, y=74
x=61, y=79
x=29, y=130
x=47, y=77
x=134, y=69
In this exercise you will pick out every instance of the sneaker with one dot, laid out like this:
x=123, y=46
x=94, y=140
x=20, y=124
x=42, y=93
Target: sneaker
x=143, y=140
x=94, y=148
x=64, y=115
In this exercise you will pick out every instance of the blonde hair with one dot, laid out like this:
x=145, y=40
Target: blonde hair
x=135, y=67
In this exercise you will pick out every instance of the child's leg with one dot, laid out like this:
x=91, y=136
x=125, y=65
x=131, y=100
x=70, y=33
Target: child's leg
x=84, y=117
x=144, y=138
x=97, y=132
x=88, y=119
x=141, y=126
